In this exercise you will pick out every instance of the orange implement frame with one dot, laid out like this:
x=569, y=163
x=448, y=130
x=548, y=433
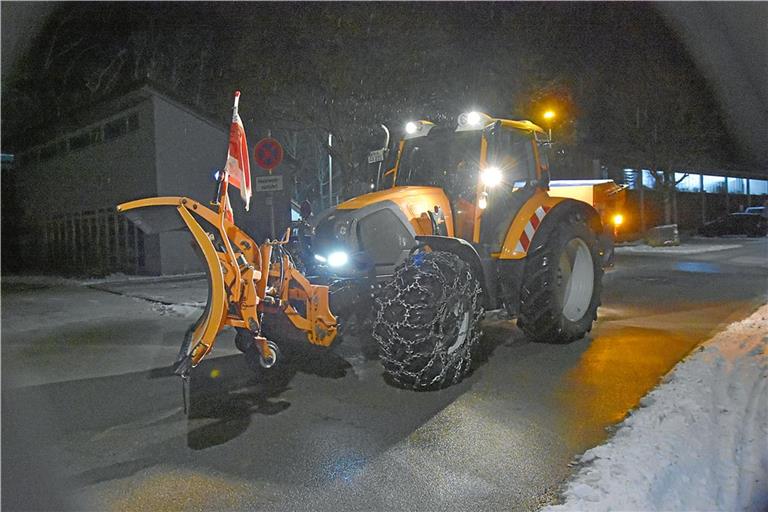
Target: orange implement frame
x=243, y=279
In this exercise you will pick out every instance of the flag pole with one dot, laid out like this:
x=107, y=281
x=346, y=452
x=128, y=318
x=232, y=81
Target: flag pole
x=237, y=103
x=222, y=198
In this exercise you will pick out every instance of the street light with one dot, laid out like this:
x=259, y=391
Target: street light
x=549, y=115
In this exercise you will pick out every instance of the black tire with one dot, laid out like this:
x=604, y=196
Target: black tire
x=556, y=305
x=243, y=339
x=427, y=321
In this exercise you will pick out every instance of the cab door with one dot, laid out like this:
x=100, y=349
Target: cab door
x=513, y=152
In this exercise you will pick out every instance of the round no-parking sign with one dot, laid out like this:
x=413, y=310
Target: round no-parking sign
x=268, y=153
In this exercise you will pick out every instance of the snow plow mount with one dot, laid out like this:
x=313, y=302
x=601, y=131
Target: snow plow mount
x=243, y=278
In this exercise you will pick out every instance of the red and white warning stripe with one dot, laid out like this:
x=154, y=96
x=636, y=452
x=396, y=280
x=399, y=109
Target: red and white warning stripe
x=530, y=229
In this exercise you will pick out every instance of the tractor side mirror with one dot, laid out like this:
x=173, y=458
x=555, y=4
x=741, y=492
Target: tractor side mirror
x=491, y=134
x=305, y=209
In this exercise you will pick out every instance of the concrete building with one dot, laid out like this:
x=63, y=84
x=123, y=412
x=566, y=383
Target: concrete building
x=142, y=144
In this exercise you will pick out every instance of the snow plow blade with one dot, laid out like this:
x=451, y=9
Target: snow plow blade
x=243, y=278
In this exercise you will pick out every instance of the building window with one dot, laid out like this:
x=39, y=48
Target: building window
x=714, y=184
x=737, y=185
x=758, y=187
x=116, y=128
x=688, y=182
x=649, y=179
x=133, y=122
x=96, y=135
x=109, y=131
x=48, y=151
x=631, y=179
x=80, y=141
x=119, y=127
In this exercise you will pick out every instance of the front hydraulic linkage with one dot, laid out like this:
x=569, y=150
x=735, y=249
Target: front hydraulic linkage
x=241, y=278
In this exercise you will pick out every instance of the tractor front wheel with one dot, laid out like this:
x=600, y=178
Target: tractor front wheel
x=561, y=285
x=427, y=321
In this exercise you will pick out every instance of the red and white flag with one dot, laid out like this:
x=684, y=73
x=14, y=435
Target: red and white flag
x=238, y=166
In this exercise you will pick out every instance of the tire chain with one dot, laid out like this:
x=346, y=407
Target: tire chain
x=408, y=280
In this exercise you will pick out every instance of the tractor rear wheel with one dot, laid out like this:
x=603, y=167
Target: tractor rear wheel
x=561, y=285
x=427, y=321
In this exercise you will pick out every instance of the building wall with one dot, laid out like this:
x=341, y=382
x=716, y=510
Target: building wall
x=69, y=187
x=188, y=150
x=68, y=191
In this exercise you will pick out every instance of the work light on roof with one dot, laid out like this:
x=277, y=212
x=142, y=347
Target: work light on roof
x=415, y=129
x=473, y=121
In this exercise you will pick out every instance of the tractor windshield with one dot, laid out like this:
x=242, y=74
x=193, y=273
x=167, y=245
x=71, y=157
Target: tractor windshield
x=443, y=158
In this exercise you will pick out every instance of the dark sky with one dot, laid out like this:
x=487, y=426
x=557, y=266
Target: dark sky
x=727, y=42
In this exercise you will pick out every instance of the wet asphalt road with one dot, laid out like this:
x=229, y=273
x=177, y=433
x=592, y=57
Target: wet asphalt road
x=92, y=417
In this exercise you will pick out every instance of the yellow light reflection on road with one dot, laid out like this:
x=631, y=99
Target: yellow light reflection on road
x=165, y=490
x=625, y=360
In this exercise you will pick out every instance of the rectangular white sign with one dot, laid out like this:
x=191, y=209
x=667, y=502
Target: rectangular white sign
x=375, y=156
x=268, y=183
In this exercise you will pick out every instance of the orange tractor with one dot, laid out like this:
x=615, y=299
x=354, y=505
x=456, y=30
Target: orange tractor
x=466, y=221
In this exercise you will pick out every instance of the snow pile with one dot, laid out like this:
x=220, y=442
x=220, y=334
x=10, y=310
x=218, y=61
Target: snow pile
x=698, y=442
x=674, y=249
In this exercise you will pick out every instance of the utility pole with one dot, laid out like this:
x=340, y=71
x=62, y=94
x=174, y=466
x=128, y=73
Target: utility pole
x=703, y=199
x=642, y=202
x=330, y=170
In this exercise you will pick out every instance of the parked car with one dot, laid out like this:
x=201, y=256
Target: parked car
x=760, y=210
x=749, y=224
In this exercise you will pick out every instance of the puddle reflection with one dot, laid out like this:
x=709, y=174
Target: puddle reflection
x=703, y=267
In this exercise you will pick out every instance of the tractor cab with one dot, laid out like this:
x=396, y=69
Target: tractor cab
x=487, y=168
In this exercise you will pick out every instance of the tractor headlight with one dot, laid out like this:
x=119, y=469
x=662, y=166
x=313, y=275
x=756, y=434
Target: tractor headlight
x=338, y=259
x=618, y=219
x=321, y=258
x=490, y=176
x=410, y=128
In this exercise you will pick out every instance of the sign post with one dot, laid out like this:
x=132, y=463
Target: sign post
x=268, y=154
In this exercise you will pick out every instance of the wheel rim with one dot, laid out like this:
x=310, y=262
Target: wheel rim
x=269, y=360
x=577, y=272
x=461, y=312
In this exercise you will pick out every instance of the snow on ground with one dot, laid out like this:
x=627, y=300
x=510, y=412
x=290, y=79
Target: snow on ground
x=674, y=249
x=699, y=441
x=119, y=277
x=180, y=310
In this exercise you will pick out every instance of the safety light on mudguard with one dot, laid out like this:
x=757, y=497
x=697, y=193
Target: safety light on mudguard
x=320, y=258
x=490, y=176
x=338, y=259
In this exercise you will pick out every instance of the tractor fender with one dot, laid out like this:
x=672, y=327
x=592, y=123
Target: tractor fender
x=565, y=208
x=511, y=270
x=468, y=253
x=538, y=212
